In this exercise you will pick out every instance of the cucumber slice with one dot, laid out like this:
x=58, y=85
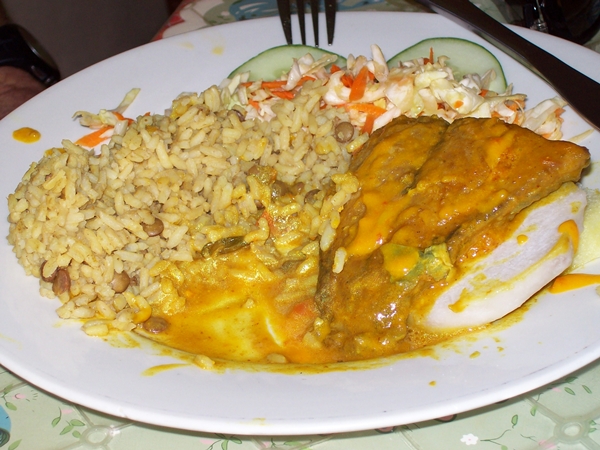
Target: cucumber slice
x=465, y=57
x=271, y=64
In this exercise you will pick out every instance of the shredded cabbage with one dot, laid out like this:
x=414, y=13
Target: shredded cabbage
x=107, y=117
x=413, y=88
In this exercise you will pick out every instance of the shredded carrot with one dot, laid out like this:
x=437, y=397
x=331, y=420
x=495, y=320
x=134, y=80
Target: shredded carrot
x=269, y=220
x=347, y=80
x=94, y=138
x=368, y=126
x=334, y=68
x=304, y=79
x=121, y=117
x=284, y=94
x=247, y=84
x=372, y=111
x=458, y=104
x=483, y=92
x=273, y=84
x=254, y=103
x=360, y=85
x=368, y=108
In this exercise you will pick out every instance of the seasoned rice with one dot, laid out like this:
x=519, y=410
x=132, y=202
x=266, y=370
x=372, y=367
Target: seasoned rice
x=194, y=173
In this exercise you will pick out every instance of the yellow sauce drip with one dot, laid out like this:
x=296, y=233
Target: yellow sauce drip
x=572, y=281
x=522, y=238
x=26, y=135
x=494, y=199
x=162, y=368
x=421, y=206
x=497, y=147
x=383, y=205
x=570, y=228
x=458, y=306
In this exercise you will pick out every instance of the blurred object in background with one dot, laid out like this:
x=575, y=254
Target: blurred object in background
x=575, y=20
x=172, y=5
x=79, y=33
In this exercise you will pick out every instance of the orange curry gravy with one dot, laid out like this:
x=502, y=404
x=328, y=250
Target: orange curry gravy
x=26, y=135
x=234, y=307
x=237, y=308
x=432, y=195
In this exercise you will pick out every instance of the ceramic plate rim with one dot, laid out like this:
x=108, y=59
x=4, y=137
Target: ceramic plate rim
x=287, y=413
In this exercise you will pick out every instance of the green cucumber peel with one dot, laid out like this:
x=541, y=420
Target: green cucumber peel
x=272, y=63
x=464, y=57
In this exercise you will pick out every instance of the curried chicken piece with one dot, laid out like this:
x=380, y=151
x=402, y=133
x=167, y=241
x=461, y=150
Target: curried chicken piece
x=432, y=196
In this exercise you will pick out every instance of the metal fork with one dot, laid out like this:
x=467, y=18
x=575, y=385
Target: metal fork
x=285, y=13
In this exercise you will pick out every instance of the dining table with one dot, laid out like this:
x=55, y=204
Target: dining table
x=564, y=414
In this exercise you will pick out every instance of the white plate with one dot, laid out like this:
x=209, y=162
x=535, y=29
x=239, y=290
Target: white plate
x=556, y=336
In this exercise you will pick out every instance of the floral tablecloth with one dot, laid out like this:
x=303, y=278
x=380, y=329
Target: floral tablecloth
x=562, y=415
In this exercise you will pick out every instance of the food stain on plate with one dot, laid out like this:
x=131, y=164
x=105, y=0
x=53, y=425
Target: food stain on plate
x=26, y=135
x=187, y=44
x=151, y=371
x=218, y=50
x=571, y=281
x=9, y=339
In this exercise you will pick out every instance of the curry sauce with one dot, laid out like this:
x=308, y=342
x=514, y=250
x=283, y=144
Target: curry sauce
x=452, y=204
x=433, y=196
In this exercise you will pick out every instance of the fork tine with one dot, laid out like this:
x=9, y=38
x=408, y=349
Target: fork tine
x=330, y=10
x=314, y=10
x=300, y=9
x=286, y=19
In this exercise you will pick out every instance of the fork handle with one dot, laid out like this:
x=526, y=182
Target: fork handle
x=285, y=14
x=580, y=91
x=330, y=10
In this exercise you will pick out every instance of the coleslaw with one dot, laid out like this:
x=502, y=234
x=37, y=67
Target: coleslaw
x=374, y=94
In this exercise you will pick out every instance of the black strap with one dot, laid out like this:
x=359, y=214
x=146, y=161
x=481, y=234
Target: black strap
x=16, y=51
